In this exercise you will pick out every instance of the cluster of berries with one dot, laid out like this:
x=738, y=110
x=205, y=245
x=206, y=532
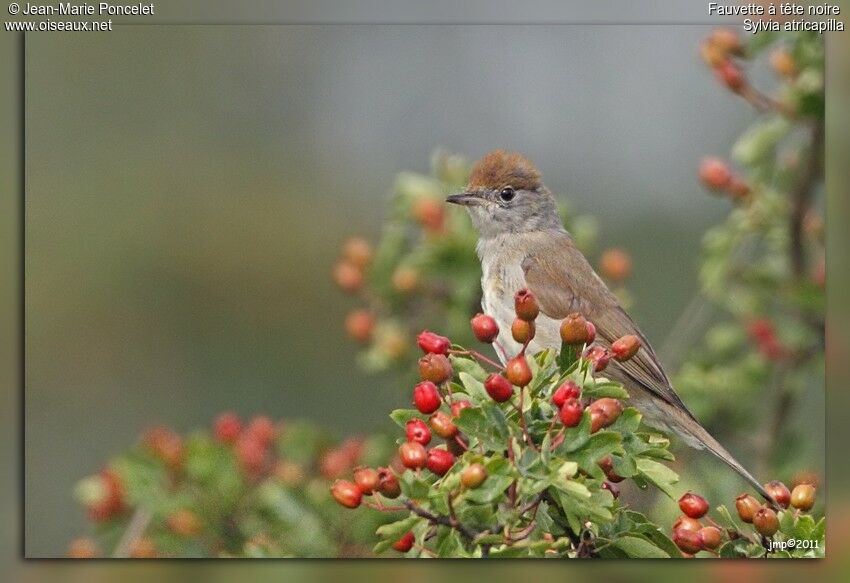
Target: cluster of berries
x=691, y=536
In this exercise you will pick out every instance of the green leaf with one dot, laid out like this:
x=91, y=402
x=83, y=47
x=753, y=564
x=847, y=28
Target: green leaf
x=474, y=387
x=567, y=358
x=492, y=488
x=658, y=474
x=468, y=366
x=639, y=548
x=393, y=531
x=414, y=487
x=598, y=390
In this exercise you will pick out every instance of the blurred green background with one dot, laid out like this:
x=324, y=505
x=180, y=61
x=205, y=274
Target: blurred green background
x=188, y=187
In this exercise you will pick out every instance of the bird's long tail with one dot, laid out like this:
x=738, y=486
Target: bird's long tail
x=697, y=436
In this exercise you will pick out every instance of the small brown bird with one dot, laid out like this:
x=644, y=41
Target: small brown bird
x=523, y=244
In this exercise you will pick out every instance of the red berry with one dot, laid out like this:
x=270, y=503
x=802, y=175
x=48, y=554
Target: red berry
x=779, y=492
x=603, y=412
x=348, y=276
x=626, y=347
x=440, y=461
x=347, y=493
x=574, y=330
x=730, y=75
x=498, y=387
x=417, y=431
x=591, y=332
x=435, y=368
x=766, y=521
x=693, y=505
x=251, y=453
x=607, y=465
x=615, y=264
x=388, y=483
x=431, y=343
x=568, y=390
x=523, y=331
x=405, y=543
x=485, y=328
x=714, y=173
x=443, y=425
x=525, y=305
x=598, y=356
x=103, y=495
x=412, y=454
x=430, y=213
x=166, y=444
x=227, y=427
x=473, y=476
x=367, y=480
x=426, y=397
x=803, y=497
x=359, y=324
x=82, y=548
x=262, y=428
x=611, y=487
x=747, y=506
x=517, y=371
x=357, y=251
x=711, y=537
x=570, y=414
x=688, y=541
x=739, y=188
x=184, y=523
x=459, y=406
x=687, y=523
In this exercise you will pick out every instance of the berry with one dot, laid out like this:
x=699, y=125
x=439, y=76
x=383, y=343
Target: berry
x=262, y=429
x=603, y=412
x=571, y=412
x=347, y=493
x=711, y=537
x=599, y=357
x=429, y=213
x=574, y=330
x=803, y=497
x=747, y=506
x=184, y=523
x=626, y=347
x=611, y=487
x=359, y=325
x=227, y=428
x=143, y=548
x=693, y=505
x=473, y=476
x=412, y=455
x=348, y=276
x=435, y=368
x=417, y=431
x=426, y=397
x=367, y=480
x=607, y=465
x=517, y=371
x=591, y=332
x=251, y=453
x=687, y=540
x=388, y=483
x=525, y=305
x=766, y=521
x=165, y=444
x=82, y=548
x=727, y=40
x=357, y=251
x=443, y=425
x=615, y=264
x=730, y=75
x=405, y=280
x=714, y=173
x=522, y=330
x=405, y=543
x=783, y=63
x=102, y=495
x=739, y=188
x=712, y=54
x=687, y=523
x=485, y=328
x=431, y=343
x=440, y=461
x=498, y=387
x=779, y=492
x=459, y=406
x=568, y=390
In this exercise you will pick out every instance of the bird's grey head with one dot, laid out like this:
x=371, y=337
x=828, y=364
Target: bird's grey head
x=505, y=195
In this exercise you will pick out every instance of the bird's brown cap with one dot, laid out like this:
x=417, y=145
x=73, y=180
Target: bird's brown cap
x=500, y=168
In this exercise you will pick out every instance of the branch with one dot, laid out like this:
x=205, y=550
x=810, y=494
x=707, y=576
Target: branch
x=801, y=196
x=135, y=529
x=464, y=530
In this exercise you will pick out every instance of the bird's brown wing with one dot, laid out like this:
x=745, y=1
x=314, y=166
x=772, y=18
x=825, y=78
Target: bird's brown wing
x=564, y=282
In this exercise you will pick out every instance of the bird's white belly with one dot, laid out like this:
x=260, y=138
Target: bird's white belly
x=499, y=284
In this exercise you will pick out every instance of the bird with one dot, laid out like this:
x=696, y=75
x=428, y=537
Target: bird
x=523, y=244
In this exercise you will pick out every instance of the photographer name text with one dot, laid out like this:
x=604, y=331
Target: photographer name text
x=99, y=9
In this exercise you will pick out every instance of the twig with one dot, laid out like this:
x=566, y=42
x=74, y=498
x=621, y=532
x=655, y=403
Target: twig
x=135, y=529
x=464, y=530
x=477, y=355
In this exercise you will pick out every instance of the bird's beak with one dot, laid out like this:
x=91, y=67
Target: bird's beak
x=465, y=199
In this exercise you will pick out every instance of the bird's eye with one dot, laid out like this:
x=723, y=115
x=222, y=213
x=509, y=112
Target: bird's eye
x=507, y=194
